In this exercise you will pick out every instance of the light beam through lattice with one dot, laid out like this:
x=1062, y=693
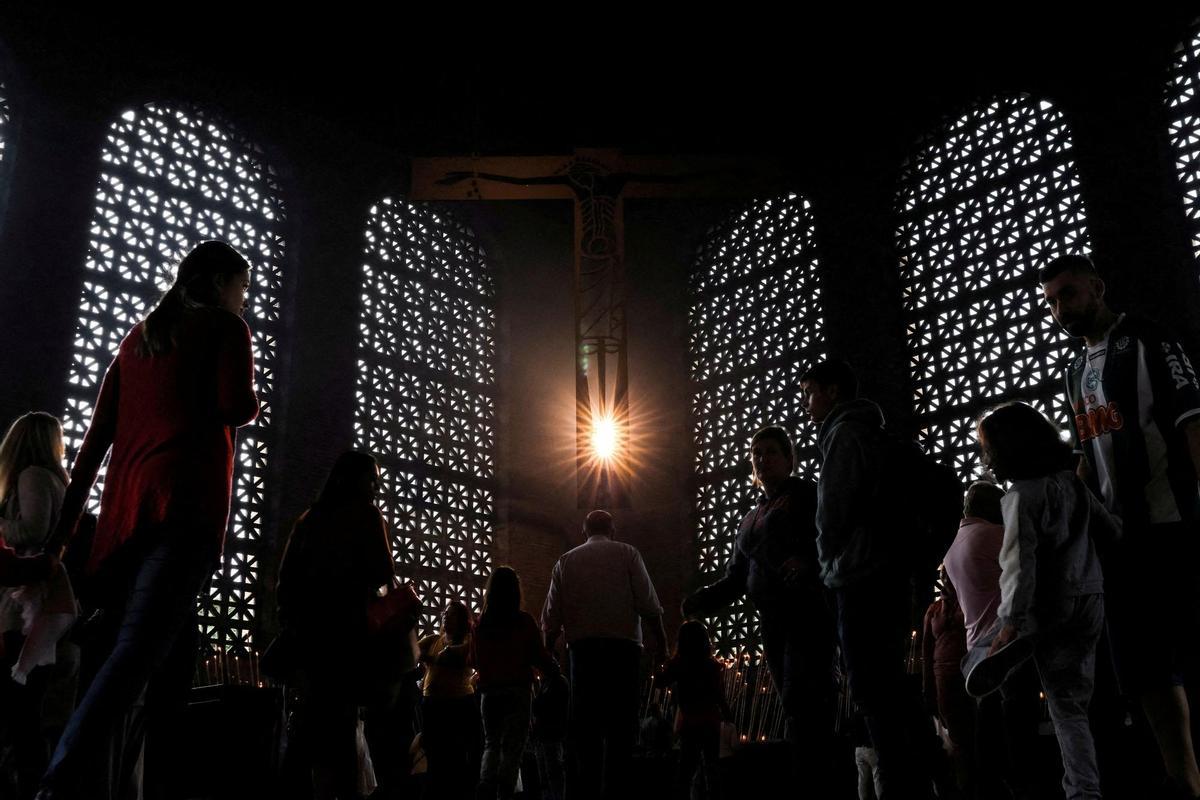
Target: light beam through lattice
x=426, y=397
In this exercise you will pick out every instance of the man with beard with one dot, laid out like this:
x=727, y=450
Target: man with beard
x=1135, y=402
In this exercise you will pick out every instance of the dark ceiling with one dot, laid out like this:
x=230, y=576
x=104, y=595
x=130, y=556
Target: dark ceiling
x=694, y=83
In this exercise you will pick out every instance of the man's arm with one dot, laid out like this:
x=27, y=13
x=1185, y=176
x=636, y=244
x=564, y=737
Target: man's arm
x=710, y=599
x=645, y=601
x=841, y=493
x=1192, y=432
x=1176, y=386
x=552, y=616
x=655, y=622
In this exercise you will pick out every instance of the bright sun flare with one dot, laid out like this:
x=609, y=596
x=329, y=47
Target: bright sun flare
x=604, y=438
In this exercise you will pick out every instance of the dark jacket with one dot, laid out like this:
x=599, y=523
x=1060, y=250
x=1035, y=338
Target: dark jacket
x=779, y=528
x=849, y=546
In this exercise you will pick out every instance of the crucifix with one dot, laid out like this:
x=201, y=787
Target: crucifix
x=597, y=181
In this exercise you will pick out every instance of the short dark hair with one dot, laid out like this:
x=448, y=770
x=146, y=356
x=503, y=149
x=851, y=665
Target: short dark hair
x=983, y=501
x=1075, y=263
x=779, y=435
x=833, y=372
x=1022, y=443
x=598, y=522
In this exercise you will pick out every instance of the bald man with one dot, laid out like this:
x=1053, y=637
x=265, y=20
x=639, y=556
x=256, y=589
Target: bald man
x=600, y=594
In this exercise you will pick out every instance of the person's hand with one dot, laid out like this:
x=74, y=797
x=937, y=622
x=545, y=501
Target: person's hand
x=1006, y=635
x=792, y=569
x=688, y=607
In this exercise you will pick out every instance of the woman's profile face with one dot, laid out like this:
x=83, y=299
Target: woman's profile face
x=985, y=453
x=231, y=291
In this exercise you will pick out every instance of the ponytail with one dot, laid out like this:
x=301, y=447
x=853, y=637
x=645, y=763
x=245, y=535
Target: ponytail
x=194, y=287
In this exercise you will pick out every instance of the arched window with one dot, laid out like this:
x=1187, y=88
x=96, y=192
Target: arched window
x=755, y=322
x=987, y=200
x=1183, y=107
x=170, y=178
x=426, y=397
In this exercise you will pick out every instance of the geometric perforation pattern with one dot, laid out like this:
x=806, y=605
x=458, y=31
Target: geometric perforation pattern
x=755, y=326
x=986, y=201
x=425, y=397
x=171, y=177
x=5, y=118
x=1183, y=109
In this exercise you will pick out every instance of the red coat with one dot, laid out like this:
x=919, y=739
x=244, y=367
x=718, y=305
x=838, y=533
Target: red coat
x=170, y=422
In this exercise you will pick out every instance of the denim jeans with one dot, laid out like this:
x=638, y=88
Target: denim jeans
x=1065, y=656
x=506, y=713
x=160, y=599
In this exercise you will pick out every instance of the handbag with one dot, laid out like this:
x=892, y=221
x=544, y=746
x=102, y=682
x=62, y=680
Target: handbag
x=394, y=609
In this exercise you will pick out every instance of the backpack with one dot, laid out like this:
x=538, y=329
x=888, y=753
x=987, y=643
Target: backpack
x=920, y=503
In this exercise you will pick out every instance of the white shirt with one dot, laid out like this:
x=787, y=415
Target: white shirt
x=599, y=590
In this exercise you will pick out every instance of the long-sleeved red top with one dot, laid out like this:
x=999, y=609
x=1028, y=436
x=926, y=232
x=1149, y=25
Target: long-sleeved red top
x=505, y=653
x=169, y=420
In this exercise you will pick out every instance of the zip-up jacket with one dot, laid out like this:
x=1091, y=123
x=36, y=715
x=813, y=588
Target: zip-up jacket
x=1051, y=527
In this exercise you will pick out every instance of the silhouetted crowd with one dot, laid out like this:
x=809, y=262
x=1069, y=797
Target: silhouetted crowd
x=926, y=626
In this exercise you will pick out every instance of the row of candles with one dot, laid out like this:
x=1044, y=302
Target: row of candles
x=223, y=668
x=754, y=703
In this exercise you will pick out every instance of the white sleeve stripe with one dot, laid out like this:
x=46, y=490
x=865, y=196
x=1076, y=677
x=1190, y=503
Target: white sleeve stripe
x=1186, y=415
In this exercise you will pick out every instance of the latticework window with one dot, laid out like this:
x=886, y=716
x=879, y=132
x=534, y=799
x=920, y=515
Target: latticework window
x=5, y=118
x=1184, y=110
x=426, y=397
x=755, y=322
x=171, y=178
x=990, y=197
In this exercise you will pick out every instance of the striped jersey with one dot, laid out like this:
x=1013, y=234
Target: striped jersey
x=1130, y=398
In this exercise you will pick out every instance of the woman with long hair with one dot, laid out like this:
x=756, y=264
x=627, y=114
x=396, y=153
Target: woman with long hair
x=182, y=382
x=506, y=649
x=699, y=684
x=335, y=560
x=33, y=619
x=1051, y=584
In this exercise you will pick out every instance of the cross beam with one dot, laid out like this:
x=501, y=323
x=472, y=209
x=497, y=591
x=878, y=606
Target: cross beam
x=597, y=181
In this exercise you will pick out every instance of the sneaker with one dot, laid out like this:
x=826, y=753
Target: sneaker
x=986, y=673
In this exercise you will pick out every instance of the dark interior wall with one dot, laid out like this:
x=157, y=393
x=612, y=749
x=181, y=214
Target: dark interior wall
x=332, y=174
x=530, y=246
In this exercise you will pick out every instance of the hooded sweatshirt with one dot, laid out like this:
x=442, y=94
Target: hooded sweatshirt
x=849, y=548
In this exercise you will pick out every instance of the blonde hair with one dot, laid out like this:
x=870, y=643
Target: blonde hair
x=33, y=440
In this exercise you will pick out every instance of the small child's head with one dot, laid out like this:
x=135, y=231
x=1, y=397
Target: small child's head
x=1019, y=443
x=692, y=641
x=983, y=501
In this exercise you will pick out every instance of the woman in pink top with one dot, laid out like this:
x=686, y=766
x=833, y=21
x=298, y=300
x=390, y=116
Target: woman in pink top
x=973, y=562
